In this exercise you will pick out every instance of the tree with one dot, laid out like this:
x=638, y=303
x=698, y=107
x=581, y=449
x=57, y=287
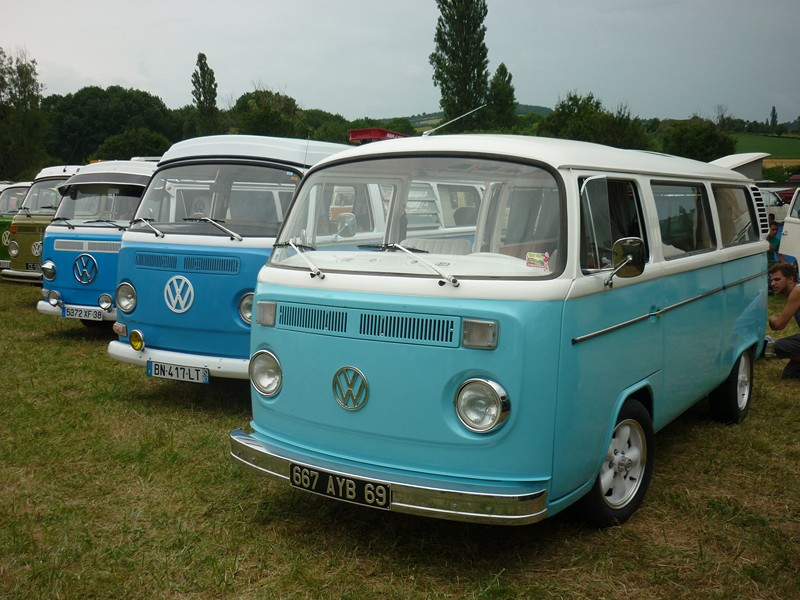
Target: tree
x=501, y=103
x=698, y=139
x=773, y=118
x=204, y=93
x=460, y=60
x=133, y=142
x=263, y=112
x=22, y=122
x=584, y=118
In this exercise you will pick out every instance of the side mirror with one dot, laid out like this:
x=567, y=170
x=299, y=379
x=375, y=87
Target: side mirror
x=346, y=225
x=628, y=259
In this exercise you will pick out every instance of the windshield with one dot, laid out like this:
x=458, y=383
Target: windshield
x=11, y=199
x=249, y=200
x=44, y=196
x=100, y=204
x=426, y=216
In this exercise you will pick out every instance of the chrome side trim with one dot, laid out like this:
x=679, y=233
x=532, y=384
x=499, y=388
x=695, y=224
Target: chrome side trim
x=521, y=504
x=666, y=309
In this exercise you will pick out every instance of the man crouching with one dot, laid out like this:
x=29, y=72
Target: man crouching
x=783, y=278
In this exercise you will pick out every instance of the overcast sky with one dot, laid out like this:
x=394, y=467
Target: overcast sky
x=369, y=58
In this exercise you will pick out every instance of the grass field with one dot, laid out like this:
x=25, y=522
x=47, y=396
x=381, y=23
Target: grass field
x=114, y=485
x=785, y=147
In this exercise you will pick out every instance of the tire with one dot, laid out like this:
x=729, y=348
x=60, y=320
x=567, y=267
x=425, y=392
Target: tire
x=730, y=402
x=626, y=471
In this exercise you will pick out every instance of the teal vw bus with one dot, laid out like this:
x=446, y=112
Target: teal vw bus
x=188, y=262
x=27, y=227
x=81, y=244
x=604, y=292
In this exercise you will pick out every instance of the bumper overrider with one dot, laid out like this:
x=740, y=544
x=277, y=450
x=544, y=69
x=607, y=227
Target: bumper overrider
x=519, y=503
x=232, y=368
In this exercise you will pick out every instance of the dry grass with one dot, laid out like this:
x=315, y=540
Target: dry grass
x=116, y=485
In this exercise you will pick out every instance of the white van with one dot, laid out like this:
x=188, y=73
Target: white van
x=500, y=380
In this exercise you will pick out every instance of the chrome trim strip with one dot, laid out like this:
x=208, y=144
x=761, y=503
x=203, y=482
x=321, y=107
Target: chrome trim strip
x=474, y=504
x=659, y=312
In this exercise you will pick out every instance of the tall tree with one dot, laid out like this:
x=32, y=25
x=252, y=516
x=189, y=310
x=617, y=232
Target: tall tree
x=460, y=61
x=773, y=118
x=22, y=122
x=501, y=103
x=204, y=93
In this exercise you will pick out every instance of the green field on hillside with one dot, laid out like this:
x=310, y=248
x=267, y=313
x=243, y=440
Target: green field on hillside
x=787, y=146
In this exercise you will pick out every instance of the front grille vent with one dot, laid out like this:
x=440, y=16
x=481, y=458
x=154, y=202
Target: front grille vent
x=434, y=330
x=313, y=319
x=156, y=261
x=427, y=330
x=211, y=264
x=103, y=246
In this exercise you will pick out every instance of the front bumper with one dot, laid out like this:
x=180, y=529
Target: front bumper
x=44, y=307
x=518, y=504
x=34, y=277
x=231, y=368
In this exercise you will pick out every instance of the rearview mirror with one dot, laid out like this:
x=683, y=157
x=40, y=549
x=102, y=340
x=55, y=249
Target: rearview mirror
x=628, y=259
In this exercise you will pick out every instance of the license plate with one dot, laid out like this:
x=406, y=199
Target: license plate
x=86, y=313
x=5, y=264
x=177, y=372
x=33, y=267
x=340, y=487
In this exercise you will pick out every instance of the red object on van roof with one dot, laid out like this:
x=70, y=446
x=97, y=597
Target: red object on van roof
x=373, y=134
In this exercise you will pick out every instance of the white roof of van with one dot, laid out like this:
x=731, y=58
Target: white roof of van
x=119, y=172
x=558, y=153
x=733, y=161
x=297, y=152
x=67, y=170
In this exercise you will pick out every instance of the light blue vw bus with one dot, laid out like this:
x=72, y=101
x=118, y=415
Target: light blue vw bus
x=604, y=293
x=81, y=244
x=189, y=261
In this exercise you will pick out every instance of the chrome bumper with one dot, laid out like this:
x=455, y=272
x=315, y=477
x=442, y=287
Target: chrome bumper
x=44, y=307
x=522, y=505
x=232, y=368
x=34, y=277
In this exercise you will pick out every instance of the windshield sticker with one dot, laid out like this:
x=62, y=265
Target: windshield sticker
x=538, y=260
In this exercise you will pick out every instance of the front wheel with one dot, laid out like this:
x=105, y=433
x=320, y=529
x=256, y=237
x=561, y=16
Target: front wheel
x=730, y=402
x=625, y=474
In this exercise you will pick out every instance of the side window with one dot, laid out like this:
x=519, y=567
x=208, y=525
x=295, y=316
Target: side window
x=736, y=219
x=683, y=218
x=610, y=210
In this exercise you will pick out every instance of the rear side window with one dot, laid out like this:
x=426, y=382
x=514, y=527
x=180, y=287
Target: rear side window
x=684, y=218
x=737, y=222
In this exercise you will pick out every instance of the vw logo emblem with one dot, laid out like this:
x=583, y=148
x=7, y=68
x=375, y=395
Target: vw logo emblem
x=6, y=237
x=350, y=388
x=36, y=248
x=179, y=294
x=84, y=269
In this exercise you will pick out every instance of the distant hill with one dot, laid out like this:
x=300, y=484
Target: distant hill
x=428, y=120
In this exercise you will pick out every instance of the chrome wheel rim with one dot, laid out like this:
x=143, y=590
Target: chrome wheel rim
x=623, y=470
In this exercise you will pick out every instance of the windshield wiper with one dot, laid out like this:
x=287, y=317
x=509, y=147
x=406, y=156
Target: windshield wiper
x=110, y=222
x=147, y=222
x=26, y=209
x=65, y=219
x=442, y=274
x=301, y=250
x=392, y=246
x=48, y=207
x=218, y=225
x=293, y=245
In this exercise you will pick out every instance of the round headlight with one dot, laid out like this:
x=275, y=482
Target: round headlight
x=246, y=308
x=265, y=373
x=136, y=340
x=482, y=405
x=49, y=270
x=105, y=302
x=13, y=249
x=126, y=297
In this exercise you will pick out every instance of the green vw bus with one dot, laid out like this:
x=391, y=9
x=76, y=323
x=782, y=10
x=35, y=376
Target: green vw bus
x=10, y=200
x=27, y=226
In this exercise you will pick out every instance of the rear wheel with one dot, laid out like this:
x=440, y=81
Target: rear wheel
x=626, y=470
x=730, y=402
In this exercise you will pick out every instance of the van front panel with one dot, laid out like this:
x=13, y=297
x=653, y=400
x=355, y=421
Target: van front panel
x=408, y=422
